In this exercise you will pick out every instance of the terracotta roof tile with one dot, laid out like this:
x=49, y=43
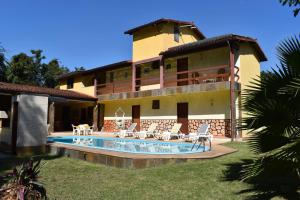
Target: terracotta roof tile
x=18, y=88
x=162, y=20
x=109, y=66
x=211, y=43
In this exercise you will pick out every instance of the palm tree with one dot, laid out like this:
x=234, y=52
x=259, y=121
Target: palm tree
x=273, y=109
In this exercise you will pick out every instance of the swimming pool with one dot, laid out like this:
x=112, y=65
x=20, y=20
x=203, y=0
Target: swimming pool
x=129, y=145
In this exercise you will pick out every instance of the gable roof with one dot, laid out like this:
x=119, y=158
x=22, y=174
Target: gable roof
x=164, y=20
x=18, y=88
x=213, y=42
x=111, y=66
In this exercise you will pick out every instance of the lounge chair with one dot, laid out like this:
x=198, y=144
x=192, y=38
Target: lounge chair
x=143, y=134
x=202, y=131
x=201, y=135
x=127, y=133
x=175, y=132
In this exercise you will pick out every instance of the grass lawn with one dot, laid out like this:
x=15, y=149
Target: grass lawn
x=67, y=178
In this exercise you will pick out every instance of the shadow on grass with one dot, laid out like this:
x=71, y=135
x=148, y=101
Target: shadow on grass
x=12, y=161
x=263, y=188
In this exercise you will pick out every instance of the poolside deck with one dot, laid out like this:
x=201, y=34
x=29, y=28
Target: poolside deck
x=131, y=160
x=217, y=138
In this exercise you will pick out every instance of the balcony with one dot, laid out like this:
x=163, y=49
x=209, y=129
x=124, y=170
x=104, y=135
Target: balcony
x=210, y=78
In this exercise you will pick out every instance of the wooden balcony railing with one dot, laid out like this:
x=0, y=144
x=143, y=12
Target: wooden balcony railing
x=171, y=79
x=197, y=76
x=114, y=87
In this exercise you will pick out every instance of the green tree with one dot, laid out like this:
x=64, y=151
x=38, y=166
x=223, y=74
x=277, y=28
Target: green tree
x=22, y=70
x=265, y=75
x=3, y=65
x=273, y=107
x=51, y=71
x=81, y=68
x=292, y=3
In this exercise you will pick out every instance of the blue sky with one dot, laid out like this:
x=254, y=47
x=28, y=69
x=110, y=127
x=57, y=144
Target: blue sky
x=89, y=33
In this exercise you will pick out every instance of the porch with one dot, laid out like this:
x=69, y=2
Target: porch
x=62, y=113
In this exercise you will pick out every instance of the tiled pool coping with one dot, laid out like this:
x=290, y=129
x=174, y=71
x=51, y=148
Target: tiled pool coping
x=129, y=160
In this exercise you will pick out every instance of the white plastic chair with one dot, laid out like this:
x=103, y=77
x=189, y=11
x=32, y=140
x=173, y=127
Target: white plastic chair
x=75, y=130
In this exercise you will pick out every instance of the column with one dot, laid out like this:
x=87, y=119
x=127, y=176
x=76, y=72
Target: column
x=95, y=117
x=51, y=116
x=161, y=72
x=133, y=77
x=232, y=94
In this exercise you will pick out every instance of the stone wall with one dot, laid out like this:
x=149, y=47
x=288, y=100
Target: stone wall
x=217, y=126
x=162, y=124
x=110, y=125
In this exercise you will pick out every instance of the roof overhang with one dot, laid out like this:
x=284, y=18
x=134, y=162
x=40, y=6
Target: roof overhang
x=15, y=89
x=211, y=43
x=164, y=20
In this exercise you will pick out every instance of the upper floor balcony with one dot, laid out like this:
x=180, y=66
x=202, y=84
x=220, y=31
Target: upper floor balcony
x=163, y=80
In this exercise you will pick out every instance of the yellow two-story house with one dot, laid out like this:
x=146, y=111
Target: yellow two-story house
x=176, y=74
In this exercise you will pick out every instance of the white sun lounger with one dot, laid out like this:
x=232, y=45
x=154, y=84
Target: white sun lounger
x=127, y=133
x=201, y=135
x=202, y=131
x=175, y=132
x=143, y=134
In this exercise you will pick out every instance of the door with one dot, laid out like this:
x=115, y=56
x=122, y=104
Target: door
x=14, y=135
x=136, y=114
x=182, y=74
x=182, y=116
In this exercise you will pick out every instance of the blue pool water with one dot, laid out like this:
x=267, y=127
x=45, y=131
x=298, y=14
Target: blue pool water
x=129, y=145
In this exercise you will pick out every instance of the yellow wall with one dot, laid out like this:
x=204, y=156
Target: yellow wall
x=208, y=105
x=250, y=66
x=150, y=41
x=80, y=85
x=249, y=69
